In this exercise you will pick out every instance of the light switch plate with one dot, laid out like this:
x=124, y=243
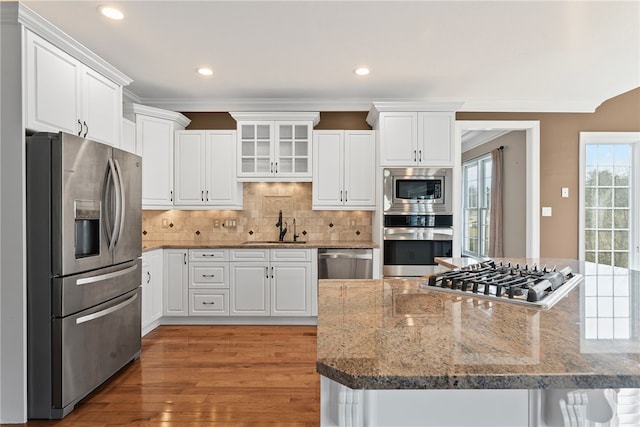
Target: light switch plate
x=565, y=192
x=546, y=211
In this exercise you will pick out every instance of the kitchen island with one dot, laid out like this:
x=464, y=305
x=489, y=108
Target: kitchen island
x=393, y=353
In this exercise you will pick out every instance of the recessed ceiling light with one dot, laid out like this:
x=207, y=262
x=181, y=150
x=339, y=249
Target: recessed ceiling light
x=205, y=71
x=361, y=71
x=111, y=12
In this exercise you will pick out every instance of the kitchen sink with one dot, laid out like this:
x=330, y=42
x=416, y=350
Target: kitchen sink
x=264, y=242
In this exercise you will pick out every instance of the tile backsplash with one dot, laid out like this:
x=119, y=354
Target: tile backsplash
x=261, y=204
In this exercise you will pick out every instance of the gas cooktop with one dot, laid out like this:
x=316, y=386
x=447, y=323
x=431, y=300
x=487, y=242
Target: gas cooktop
x=526, y=285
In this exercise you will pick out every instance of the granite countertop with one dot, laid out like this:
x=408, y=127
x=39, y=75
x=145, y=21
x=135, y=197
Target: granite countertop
x=393, y=334
x=191, y=244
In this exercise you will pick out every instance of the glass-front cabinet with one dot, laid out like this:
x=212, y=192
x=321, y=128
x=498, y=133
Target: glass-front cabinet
x=275, y=150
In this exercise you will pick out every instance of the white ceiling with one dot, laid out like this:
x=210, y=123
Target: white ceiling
x=490, y=55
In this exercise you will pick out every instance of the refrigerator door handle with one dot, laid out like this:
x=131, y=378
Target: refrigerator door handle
x=102, y=313
x=107, y=276
x=122, y=202
x=118, y=197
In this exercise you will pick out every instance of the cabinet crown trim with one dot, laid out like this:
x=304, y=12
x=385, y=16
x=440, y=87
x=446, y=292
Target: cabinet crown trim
x=43, y=28
x=159, y=113
x=276, y=116
x=378, y=107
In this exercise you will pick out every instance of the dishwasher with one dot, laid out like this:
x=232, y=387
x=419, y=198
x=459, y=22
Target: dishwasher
x=345, y=263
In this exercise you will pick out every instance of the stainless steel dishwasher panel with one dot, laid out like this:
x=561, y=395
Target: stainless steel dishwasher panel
x=345, y=263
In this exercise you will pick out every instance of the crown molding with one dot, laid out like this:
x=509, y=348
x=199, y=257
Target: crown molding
x=132, y=109
x=545, y=106
x=280, y=116
x=43, y=28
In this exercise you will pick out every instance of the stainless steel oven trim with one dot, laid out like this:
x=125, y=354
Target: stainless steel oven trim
x=406, y=233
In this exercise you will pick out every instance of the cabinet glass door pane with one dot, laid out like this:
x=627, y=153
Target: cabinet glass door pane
x=286, y=148
x=301, y=148
x=302, y=165
x=248, y=148
x=263, y=148
x=263, y=165
x=286, y=132
x=262, y=131
x=285, y=165
x=248, y=165
x=301, y=132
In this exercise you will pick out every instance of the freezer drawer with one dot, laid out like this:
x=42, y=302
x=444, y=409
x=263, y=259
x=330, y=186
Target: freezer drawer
x=78, y=292
x=90, y=346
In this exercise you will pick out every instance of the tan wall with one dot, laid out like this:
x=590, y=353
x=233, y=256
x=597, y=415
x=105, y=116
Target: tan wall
x=259, y=216
x=352, y=120
x=514, y=188
x=559, y=152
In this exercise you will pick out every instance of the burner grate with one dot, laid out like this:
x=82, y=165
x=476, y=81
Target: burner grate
x=531, y=286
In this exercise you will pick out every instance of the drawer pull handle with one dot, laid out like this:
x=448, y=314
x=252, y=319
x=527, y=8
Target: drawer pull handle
x=208, y=275
x=208, y=303
x=208, y=254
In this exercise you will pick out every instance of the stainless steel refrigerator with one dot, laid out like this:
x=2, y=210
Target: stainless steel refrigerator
x=83, y=268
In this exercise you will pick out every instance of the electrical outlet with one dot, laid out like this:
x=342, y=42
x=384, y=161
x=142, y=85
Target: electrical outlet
x=216, y=223
x=229, y=223
x=165, y=223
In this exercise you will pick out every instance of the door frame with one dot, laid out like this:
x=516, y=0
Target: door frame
x=532, y=137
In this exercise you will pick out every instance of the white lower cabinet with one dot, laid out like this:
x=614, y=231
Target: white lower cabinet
x=236, y=283
x=151, y=290
x=175, y=275
x=270, y=282
x=208, y=282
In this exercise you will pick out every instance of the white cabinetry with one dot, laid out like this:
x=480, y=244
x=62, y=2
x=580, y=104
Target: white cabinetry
x=175, y=277
x=151, y=290
x=128, y=142
x=208, y=282
x=270, y=282
x=155, y=129
x=63, y=94
x=343, y=170
x=275, y=146
x=414, y=138
x=205, y=169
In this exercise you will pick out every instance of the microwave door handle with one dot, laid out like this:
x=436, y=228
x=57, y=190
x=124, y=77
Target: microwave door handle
x=118, y=170
x=116, y=222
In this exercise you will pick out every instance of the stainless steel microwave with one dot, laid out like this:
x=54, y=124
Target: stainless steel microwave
x=417, y=190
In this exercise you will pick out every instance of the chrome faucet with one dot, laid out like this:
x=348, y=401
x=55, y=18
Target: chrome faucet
x=283, y=231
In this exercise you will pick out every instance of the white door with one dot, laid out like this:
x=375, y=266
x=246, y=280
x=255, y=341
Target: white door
x=155, y=282
x=290, y=290
x=292, y=154
x=222, y=187
x=175, y=276
x=328, y=171
x=189, y=168
x=155, y=137
x=101, y=108
x=435, y=136
x=53, y=88
x=249, y=288
x=359, y=168
x=398, y=139
x=609, y=198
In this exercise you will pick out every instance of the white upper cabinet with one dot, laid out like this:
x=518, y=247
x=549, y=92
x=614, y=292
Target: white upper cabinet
x=343, y=170
x=275, y=146
x=205, y=169
x=63, y=94
x=414, y=138
x=155, y=129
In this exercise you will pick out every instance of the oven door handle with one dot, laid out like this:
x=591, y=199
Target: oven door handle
x=406, y=233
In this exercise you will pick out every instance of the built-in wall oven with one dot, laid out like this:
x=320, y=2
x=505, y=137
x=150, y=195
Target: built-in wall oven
x=418, y=221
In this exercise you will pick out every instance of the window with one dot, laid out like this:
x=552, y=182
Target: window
x=476, y=204
x=609, y=231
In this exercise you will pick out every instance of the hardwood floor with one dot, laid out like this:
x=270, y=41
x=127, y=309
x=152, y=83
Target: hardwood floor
x=219, y=376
